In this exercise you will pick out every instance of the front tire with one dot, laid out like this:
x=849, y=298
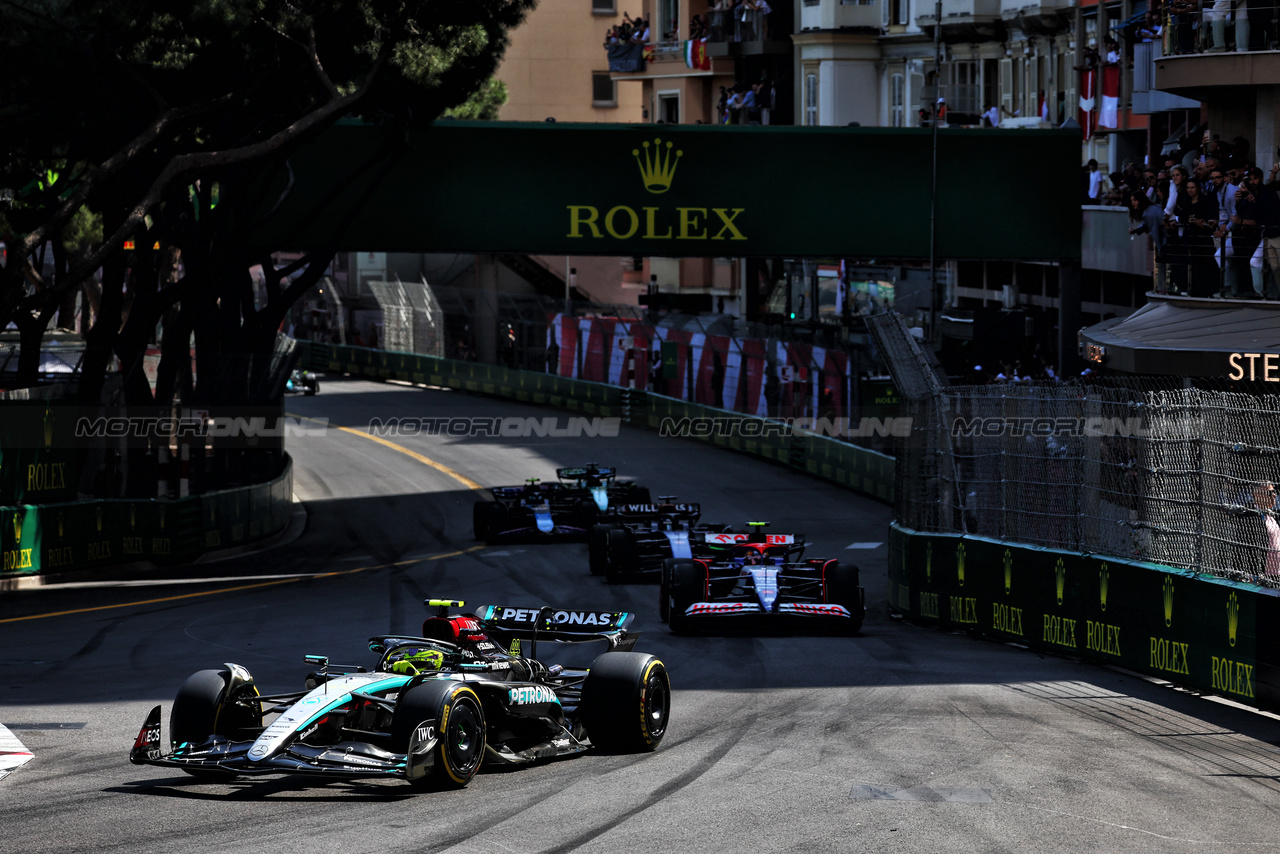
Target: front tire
x=626, y=702
x=460, y=730
x=664, y=586
x=201, y=709
x=687, y=585
x=843, y=588
x=620, y=553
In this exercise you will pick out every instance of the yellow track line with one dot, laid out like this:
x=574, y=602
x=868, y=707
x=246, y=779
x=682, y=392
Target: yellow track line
x=242, y=587
x=426, y=461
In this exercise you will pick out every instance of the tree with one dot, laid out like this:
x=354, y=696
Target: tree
x=163, y=118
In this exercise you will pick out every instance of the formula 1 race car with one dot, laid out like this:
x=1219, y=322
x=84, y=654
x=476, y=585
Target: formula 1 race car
x=432, y=711
x=639, y=537
x=303, y=381
x=565, y=510
x=760, y=583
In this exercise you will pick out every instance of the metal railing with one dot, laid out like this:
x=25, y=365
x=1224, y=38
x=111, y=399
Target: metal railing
x=1219, y=26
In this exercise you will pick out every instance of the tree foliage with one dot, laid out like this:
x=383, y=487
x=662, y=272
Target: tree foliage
x=147, y=119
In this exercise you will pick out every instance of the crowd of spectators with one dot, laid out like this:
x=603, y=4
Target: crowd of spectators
x=1210, y=26
x=1212, y=216
x=634, y=30
x=737, y=20
x=747, y=104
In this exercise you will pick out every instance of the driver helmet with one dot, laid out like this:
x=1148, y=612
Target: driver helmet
x=412, y=660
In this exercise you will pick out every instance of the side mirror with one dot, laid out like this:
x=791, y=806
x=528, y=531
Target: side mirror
x=316, y=660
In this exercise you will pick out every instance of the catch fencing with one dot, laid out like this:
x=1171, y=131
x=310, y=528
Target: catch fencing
x=1137, y=468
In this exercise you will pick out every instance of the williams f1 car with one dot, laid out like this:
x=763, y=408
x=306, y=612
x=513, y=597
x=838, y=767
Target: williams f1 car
x=636, y=541
x=559, y=511
x=433, y=709
x=760, y=581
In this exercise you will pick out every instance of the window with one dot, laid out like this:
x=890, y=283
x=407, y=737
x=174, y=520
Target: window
x=604, y=7
x=667, y=28
x=898, y=12
x=811, y=99
x=603, y=90
x=897, y=101
x=669, y=107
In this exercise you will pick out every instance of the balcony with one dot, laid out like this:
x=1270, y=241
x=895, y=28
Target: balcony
x=664, y=59
x=965, y=21
x=1207, y=51
x=749, y=33
x=862, y=15
x=1105, y=243
x=1044, y=18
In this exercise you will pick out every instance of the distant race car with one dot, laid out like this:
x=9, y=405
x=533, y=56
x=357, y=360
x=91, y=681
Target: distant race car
x=759, y=580
x=635, y=542
x=432, y=711
x=303, y=381
x=550, y=512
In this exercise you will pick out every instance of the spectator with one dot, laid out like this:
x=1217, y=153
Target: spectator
x=1225, y=194
x=1147, y=218
x=1094, y=187
x=697, y=28
x=722, y=107
x=1264, y=501
x=991, y=117
x=1117, y=191
x=733, y=108
x=1197, y=214
x=1246, y=236
x=751, y=104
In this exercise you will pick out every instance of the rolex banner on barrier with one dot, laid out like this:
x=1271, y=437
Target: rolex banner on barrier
x=662, y=190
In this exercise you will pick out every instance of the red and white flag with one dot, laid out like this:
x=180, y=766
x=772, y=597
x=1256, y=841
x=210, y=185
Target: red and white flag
x=1108, y=116
x=1088, y=79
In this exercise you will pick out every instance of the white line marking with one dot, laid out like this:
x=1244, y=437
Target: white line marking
x=864, y=545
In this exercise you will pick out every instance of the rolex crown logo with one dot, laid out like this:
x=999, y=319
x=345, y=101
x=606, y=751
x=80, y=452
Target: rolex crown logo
x=48, y=428
x=1060, y=578
x=162, y=518
x=960, y=563
x=657, y=165
x=17, y=529
x=1233, y=618
x=928, y=563
x=1168, y=600
x=62, y=518
x=1008, y=570
x=97, y=512
x=133, y=516
x=1104, y=575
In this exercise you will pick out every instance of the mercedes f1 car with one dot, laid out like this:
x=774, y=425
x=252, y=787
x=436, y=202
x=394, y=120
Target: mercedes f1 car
x=759, y=580
x=560, y=511
x=639, y=537
x=303, y=381
x=433, y=709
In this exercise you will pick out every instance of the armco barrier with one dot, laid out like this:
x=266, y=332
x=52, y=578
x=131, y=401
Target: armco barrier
x=1198, y=631
x=83, y=535
x=850, y=466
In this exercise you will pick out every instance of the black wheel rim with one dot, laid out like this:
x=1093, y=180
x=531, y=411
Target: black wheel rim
x=657, y=703
x=464, y=740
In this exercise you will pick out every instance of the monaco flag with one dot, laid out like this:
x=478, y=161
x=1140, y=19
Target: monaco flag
x=1088, y=80
x=1108, y=115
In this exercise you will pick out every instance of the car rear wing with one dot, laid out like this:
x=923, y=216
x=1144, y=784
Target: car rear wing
x=641, y=511
x=767, y=539
x=564, y=626
x=579, y=472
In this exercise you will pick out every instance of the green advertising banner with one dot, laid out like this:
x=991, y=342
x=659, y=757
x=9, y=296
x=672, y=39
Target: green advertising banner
x=38, y=457
x=599, y=189
x=1194, y=630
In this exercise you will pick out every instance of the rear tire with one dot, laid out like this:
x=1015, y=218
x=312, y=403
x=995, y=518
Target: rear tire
x=640, y=494
x=480, y=519
x=460, y=731
x=843, y=589
x=664, y=586
x=620, y=553
x=598, y=547
x=619, y=685
x=495, y=520
x=201, y=710
x=686, y=586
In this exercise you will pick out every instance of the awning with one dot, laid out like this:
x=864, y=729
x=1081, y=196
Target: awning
x=1172, y=336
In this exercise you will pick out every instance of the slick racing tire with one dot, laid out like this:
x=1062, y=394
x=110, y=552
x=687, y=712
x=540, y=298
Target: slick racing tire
x=202, y=709
x=639, y=494
x=480, y=519
x=489, y=519
x=664, y=585
x=620, y=554
x=585, y=514
x=843, y=589
x=598, y=547
x=626, y=702
x=314, y=388
x=686, y=586
x=460, y=731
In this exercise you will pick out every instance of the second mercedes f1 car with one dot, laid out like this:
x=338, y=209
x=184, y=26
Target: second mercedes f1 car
x=565, y=510
x=433, y=709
